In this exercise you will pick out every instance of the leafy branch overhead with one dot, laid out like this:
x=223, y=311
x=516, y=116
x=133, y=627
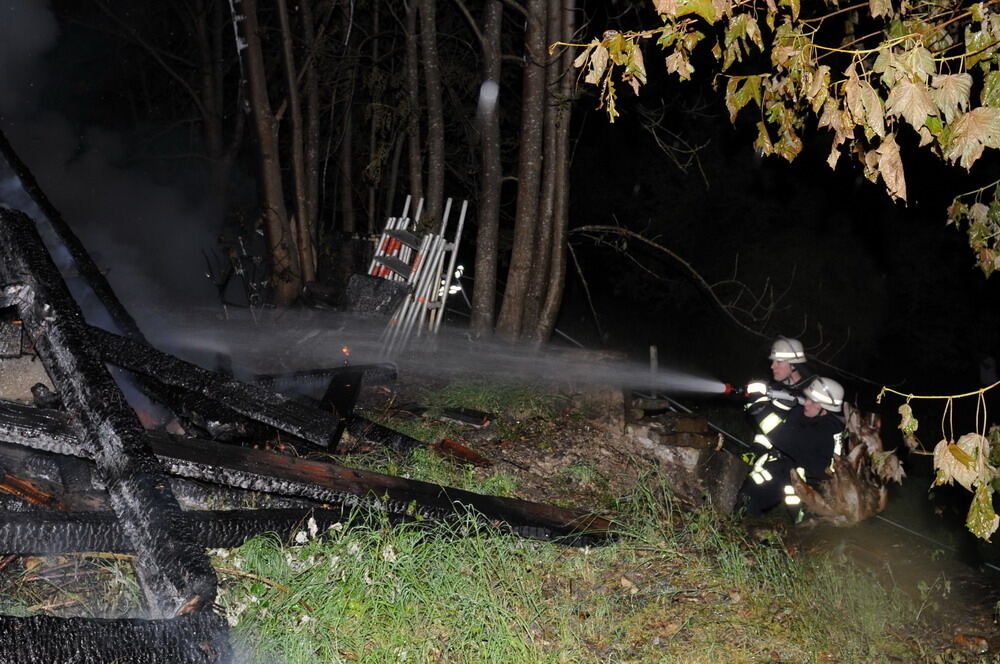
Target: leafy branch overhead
x=971, y=461
x=870, y=73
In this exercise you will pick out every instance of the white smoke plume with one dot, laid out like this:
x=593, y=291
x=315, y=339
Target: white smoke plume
x=147, y=236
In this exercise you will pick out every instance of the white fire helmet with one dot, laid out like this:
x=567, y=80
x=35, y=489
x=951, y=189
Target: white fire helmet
x=827, y=392
x=788, y=350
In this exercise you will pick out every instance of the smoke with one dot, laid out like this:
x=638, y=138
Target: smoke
x=146, y=235
x=27, y=31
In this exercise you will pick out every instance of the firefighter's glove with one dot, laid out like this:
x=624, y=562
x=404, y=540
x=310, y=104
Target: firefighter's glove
x=754, y=389
x=761, y=461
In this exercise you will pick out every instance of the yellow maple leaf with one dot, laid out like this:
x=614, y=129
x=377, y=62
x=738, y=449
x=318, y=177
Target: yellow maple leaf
x=951, y=93
x=890, y=167
x=912, y=101
x=971, y=133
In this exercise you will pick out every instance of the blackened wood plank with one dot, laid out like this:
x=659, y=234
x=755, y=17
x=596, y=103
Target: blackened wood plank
x=49, y=533
x=364, y=430
x=172, y=569
x=197, y=638
x=259, y=470
x=328, y=482
x=276, y=410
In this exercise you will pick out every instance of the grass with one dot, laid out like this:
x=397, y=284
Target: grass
x=678, y=586
x=515, y=407
x=681, y=587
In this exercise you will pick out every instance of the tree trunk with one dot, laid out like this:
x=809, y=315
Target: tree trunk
x=312, y=125
x=414, y=148
x=348, y=217
x=539, y=283
x=373, y=128
x=557, y=270
x=207, y=29
x=435, y=113
x=484, y=289
x=300, y=224
x=286, y=277
x=529, y=169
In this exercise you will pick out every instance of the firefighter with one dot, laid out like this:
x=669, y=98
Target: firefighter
x=770, y=403
x=804, y=444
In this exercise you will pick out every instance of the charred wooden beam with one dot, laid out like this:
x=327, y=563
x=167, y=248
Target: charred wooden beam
x=29, y=491
x=328, y=483
x=205, y=418
x=41, y=429
x=256, y=403
x=364, y=430
x=49, y=533
x=371, y=374
x=89, y=271
x=196, y=638
x=173, y=570
x=73, y=481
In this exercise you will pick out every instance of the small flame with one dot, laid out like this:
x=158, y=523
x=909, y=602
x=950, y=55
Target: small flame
x=346, y=350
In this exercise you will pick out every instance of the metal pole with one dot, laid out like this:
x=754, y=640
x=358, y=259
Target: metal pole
x=451, y=266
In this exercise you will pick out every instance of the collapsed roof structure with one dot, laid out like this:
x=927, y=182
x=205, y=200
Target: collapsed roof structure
x=118, y=482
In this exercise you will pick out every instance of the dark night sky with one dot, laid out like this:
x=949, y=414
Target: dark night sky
x=845, y=257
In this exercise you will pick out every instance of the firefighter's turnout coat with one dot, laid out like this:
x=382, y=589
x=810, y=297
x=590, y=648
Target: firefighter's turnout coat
x=787, y=441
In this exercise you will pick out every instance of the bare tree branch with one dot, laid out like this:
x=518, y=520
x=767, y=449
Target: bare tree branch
x=624, y=232
x=156, y=55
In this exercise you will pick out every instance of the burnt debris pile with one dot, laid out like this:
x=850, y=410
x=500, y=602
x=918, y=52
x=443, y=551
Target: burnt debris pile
x=79, y=471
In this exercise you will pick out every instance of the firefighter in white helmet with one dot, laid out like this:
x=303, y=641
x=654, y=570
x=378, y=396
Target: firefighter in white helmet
x=804, y=444
x=770, y=402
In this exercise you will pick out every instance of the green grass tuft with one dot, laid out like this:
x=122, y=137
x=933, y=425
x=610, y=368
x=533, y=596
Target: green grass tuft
x=678, y=587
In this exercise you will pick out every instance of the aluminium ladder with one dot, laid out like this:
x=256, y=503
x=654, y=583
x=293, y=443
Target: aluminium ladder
x=426, y=264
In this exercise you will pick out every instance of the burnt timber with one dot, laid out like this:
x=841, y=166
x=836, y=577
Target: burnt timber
x=173, y=570
x=46, y=533
x=323, y=482
x=194, y=638
x=276, y=410
x=99, y=429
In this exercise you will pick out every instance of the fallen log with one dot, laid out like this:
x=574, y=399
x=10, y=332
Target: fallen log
x=276, y=410
x=196, y=638
x=327, y=483
x=172, y=570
